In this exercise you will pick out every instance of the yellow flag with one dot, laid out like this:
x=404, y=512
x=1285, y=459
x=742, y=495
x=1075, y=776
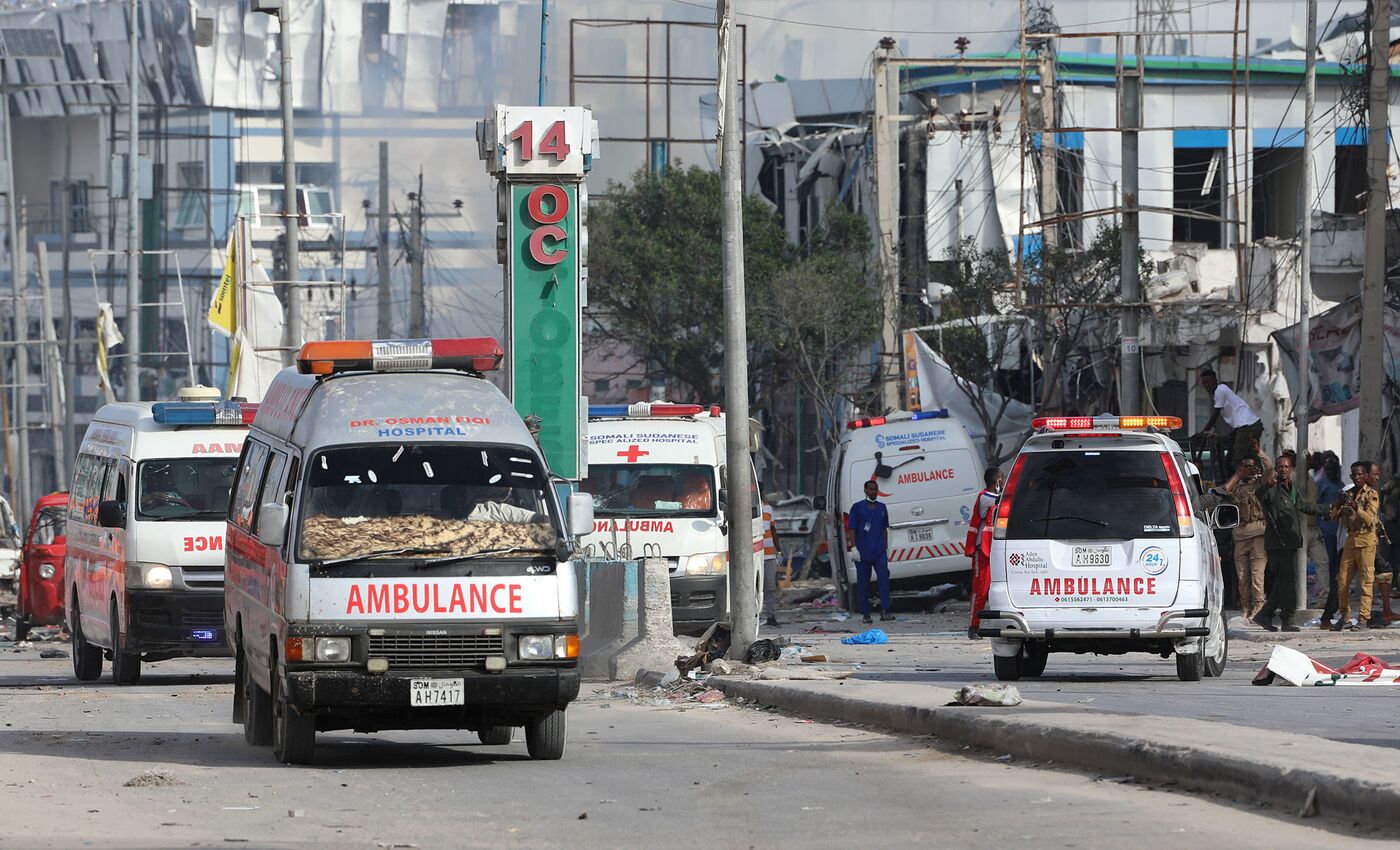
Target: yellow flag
x=223, y=309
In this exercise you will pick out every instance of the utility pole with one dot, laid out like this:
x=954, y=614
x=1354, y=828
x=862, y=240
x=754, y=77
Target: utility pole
x=1302, y=407
x=69, y=386
x=1372, y=357
x=384, y=324
x=1129, y=121
x=292, y=334
x=886, y=119
x=133, y=214
x=1049, y=192
x=544, y=43
x=743, y=577
x=18, y=273
x=417, y=317
x=53, y=365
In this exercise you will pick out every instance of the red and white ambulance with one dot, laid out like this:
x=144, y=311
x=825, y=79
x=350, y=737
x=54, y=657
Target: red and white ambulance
x=144, y=572
x=398, y=556
x=658, y=477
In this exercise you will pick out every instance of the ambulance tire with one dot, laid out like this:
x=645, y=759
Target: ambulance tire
x=1008, y=667
x=126, y=666
x=257, y=710
x=87, y=659
x=1191, y=667
x=1033, y=664
x=495, y=736
x=1215, y=663
x=544, y=738
x=293, y=733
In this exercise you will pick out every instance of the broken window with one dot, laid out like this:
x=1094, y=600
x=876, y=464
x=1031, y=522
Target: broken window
x=193, y=196
x=1198, y=192
x=1349, y=182
x=1278, y=173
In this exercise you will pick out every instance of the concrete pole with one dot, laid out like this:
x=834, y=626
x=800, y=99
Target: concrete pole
x=1129, y=120
x=384, y=325
x=53, y=362
x=20, y=376
x=291, y=335
x=417, y=312
x=133, y=215
x=886, y=119
x=1303, y=405
x=69, y=384
x=743, y=577
x=1372, y=355
x=544, y=51
x=1049, y=192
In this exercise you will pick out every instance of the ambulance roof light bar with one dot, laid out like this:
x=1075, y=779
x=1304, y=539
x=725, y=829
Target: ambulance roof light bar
x=203, y=413
x=475, y=354
x=1118, y=423
x=871, y=421
x=647, y=410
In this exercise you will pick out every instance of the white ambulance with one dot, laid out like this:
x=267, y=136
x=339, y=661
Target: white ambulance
x=144, y=573
x=928, y=474
x=398, y=556
x=658, y=477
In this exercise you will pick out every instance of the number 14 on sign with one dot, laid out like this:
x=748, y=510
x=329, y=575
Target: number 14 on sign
x=552, y=145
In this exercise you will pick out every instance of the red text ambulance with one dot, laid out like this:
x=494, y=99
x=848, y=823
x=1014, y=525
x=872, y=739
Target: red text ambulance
x=398, y=557
x=658, y=478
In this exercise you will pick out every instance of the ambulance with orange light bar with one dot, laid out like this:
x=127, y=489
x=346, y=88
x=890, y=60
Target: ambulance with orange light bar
x=658, y=478
x=144, y=573
x=398, y=556
x=928, y=473
x=1103, y=543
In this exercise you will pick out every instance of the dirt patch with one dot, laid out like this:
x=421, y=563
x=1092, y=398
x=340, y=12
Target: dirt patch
x=154, y=779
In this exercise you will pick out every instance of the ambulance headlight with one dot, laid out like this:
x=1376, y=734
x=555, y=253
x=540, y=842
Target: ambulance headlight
x=143, y=576
x=710, y=564
x=536, y=647
x=46, y=571
x=333, y=649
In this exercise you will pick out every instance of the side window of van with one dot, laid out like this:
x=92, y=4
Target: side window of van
x=269, y=491
x=243, y=507
x=80, y=488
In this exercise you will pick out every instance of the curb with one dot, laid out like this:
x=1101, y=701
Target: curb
x=1299, y=774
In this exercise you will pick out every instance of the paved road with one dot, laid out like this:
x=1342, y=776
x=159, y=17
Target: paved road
x=645, y=776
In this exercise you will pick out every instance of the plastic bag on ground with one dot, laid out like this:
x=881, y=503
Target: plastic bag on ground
x=870, y=636
x=1002, y=695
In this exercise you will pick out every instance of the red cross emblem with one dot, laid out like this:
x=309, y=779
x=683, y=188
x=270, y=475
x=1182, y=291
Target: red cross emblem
x=633, y=453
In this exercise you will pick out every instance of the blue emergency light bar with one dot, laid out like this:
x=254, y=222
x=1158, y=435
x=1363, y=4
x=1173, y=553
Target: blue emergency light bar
x=645, y=409
x=203, y=413
x=869, y=421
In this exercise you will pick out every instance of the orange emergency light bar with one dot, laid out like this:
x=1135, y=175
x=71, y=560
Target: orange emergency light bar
x=475, y=354
x=1124, y=423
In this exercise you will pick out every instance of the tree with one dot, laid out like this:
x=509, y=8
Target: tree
x=654, y=269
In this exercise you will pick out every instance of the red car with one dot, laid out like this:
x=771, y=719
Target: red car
x=41, y=566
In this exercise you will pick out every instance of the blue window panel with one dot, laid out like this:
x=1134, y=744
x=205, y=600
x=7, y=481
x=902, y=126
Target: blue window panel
x=1073, y=141
x=1201, y=138
x=1278, y=137
x=1355, y=136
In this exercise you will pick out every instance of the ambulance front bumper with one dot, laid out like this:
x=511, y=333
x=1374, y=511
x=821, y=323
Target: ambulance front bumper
x=1169, y=626
x=176, y=623
x=528, y=690
x=698, y=601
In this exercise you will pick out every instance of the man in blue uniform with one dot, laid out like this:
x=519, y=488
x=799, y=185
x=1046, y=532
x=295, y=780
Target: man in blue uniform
x=868, y=532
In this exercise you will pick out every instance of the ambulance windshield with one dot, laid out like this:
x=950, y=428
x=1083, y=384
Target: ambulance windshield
x=650, y=489
x=184, y=488
x=424, y=502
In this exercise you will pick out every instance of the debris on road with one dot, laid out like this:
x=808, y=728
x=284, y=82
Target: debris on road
x=154, y=779
x=772, y=673
x=762, y=650
x=713, y=644
x=868, y=637
x=813, y=659
x=1000, y=695
x=1298, y=669
x=53, y=653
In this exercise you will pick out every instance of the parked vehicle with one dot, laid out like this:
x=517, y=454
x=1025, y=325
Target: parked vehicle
x=40, y=600
x=10, y=545
x=928, y=476
x=144, y=577
x=398, y=556
x=1103, y=542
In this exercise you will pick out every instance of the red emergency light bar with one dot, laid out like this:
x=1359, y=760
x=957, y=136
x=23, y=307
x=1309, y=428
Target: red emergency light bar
x=871, y=421
x=1125, y=423
x=475, y=354
x=203, y=413
x=645, y=409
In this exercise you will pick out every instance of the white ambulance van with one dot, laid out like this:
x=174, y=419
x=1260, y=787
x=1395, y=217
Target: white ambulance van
x=144, y=574
x=928, y=474
x=398, y=556
x=658, y=477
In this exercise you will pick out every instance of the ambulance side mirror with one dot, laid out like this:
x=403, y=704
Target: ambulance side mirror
x=580, y=514
x=272, y=525
x=1225, y=517
x=111, y=514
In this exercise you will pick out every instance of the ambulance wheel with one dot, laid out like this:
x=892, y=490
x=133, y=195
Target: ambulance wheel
x=544, y=738
x=1191, y=667
x=257, y=708
x=126, y=666
x=1008, y=667
x=87, y=659
x=1033, y=663
x=293, y=733
x=495, y=736
x=1217, y=647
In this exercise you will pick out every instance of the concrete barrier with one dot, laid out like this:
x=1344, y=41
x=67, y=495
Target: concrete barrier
x=625, y=618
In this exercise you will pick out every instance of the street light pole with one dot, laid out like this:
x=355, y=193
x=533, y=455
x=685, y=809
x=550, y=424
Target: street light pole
x=133, y=215
x=1302, y=407
x=291, y=334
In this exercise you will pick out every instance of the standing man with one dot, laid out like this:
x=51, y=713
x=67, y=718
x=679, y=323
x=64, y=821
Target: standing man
x=770, y=570
x=1246, y=429
x=979, y=543
x=868, y=533
x=1283, y=537
x=1329, y=490
x=1250, y=556
x=1358, y=511
x=1386, y=532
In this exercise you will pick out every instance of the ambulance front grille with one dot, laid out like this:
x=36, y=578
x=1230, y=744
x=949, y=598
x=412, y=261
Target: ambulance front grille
x=435, y=650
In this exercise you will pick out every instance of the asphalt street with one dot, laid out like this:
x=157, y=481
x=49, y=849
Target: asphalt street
x=636, y=774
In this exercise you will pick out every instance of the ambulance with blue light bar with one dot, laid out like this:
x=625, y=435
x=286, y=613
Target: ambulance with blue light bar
x=398, y=556
x=144, y=574
x=658, y=478
x=928, y=474
x=1103, y=542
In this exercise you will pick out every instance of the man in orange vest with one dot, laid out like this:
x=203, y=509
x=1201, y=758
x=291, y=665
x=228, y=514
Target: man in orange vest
x=979, y=542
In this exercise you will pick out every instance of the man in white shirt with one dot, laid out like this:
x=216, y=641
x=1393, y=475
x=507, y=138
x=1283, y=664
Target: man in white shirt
x=1244, y=422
